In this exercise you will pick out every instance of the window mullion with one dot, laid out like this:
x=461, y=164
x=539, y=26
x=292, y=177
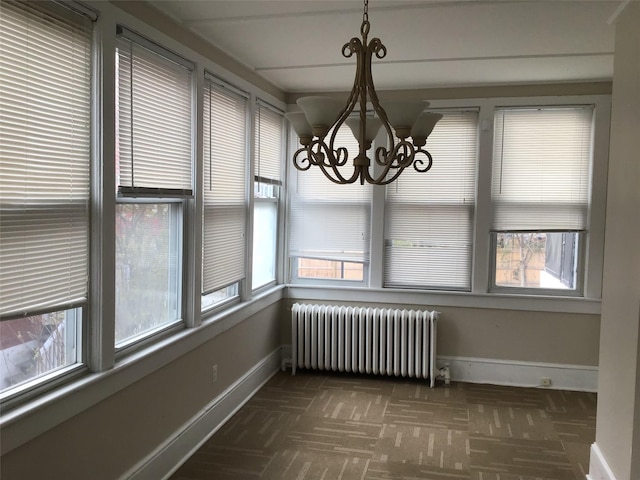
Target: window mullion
x=192, y=271
x=101, y=318
x=481, y=239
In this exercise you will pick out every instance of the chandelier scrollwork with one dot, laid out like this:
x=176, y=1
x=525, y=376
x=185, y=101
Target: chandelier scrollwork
x=321, y=115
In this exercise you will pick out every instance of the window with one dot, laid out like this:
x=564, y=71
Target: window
x=429, y=216
x=540, y=196
x=224, y=247
x=154, y=165
x=45, y=140
x=269, y=143
x=329, y=223
x=148, y=246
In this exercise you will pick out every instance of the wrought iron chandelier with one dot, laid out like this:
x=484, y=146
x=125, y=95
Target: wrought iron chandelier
x=321, y=115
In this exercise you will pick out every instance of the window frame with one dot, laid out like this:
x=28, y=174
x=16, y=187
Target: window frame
x=585, y=252
x=29, y=389
x=181, y=220
x=292, y=260
x=211, y=81
x=467, y=209
x=482, y=267
x=279, y=186
x=177, y=227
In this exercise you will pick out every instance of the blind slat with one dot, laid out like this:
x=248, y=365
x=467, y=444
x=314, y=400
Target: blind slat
x=269, y=144
x=429, y=217
x=154, y=119
x=45, y=108
x=328, y=220
x=225, y=167
x=541, y=164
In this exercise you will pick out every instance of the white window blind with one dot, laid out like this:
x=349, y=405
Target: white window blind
x=225, y=198
x=429, y=216
x=45, y=113
x=330, y=221
x=541, y=165
x=154, y=117
x=269, y=142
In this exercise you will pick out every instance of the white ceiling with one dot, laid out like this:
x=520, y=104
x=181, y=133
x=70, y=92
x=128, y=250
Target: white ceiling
x=297, y=44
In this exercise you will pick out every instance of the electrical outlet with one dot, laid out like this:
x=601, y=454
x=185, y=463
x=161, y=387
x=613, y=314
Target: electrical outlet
x=214, y=374
x=546, y=382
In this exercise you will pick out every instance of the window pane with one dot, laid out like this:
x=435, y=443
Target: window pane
x=219, y=296
x=536, y=260
x=265, y=224
x=37, y=345
x=328, y=269
x=147, y=268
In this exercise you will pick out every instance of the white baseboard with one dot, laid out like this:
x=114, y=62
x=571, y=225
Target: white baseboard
x=172, y=453
x=582, y=378
x=598, y=466
x=521, y=374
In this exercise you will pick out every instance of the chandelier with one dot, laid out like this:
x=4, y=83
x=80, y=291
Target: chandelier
x=321, y=115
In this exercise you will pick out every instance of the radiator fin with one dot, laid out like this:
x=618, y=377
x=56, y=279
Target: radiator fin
x=397, y=342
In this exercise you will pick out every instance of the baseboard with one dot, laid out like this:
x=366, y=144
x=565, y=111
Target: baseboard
x=172, y=453
x=598, y=466
x=521, y=374
x=580, y=378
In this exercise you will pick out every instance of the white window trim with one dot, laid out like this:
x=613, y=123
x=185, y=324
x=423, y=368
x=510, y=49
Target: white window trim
x=481, y=262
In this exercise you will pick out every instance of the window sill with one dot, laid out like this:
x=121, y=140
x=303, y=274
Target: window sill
x=31, y=419
x=497, y=301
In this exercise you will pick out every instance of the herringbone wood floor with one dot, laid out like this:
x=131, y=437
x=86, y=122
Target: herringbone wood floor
x=333, y=426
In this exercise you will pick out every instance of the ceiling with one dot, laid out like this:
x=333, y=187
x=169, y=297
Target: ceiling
x=297, y=44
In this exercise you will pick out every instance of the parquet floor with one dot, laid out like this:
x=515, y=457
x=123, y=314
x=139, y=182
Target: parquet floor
x=318, y=426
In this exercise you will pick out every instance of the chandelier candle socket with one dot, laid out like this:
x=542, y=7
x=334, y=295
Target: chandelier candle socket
x=321, y=115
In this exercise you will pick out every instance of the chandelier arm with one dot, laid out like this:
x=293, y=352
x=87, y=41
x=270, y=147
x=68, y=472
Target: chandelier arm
x=377, y=47
x=380, y=179
x=381, y=156
x=406, y=157
x=327, y=157
x=339, y=179
x=417, y=164
x=349, y=48
x=304, y=163
x=329, y=161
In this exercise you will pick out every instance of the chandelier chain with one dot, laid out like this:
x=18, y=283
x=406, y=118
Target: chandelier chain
x=365, y=15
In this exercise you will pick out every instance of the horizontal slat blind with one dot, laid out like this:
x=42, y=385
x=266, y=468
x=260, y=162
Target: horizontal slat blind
x=541, y=165
x=45, y=113
x=269, y=142
x=429, y=216
x=225, y=204
x=327, y=220
x=154, y=119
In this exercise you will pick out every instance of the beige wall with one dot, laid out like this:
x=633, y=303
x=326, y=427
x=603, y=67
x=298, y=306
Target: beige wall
x=109, y=438
x=618, y=420
x=546, y=337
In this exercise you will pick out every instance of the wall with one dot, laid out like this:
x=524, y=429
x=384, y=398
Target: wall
x=618, y=418
x=106, y=440
x=500, y=334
